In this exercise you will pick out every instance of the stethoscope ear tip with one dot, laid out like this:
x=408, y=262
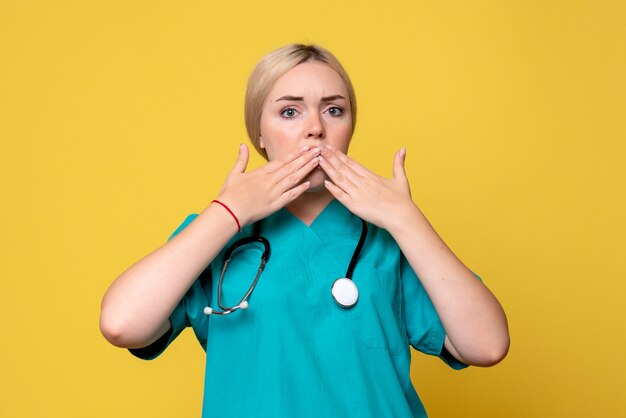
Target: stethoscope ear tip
x=208, y=310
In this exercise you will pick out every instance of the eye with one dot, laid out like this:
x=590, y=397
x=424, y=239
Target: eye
x=335, y=111
x=288, y=113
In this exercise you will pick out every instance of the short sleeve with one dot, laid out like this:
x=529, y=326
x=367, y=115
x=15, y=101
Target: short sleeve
x=188, y=312
x=424, y=328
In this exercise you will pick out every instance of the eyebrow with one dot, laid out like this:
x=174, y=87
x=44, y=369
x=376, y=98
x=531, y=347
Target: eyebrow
x=300, y=98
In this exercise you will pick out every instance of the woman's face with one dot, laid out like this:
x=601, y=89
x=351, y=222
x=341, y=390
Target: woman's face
x=308, y=105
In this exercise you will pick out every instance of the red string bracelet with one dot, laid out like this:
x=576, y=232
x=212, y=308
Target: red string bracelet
x=231, y=212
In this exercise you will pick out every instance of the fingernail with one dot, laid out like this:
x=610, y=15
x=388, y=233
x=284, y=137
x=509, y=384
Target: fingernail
x=305, y=148
x=403, y=151
x=328, y=146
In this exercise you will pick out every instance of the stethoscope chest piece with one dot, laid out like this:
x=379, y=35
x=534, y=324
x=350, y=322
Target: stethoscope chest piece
x=345, y=292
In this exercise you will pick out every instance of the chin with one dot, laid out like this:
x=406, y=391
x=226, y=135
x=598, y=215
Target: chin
x=316, y=178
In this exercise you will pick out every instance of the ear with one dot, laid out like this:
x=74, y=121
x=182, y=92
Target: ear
x=261, y=143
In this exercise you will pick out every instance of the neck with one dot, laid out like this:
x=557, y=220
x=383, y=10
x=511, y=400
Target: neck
x=309, y=205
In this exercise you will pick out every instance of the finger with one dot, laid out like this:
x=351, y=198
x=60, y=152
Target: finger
x=292, y=194
x=290, y=169
x=242, y=159
x=398, y=164
x=349, y=162
x=339, y=194
x=399, y=169
x=340, y=178
x=278, y=163
x=294, y=178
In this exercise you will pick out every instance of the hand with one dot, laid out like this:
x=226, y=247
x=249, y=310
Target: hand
x=371, y=197
x=261, y=192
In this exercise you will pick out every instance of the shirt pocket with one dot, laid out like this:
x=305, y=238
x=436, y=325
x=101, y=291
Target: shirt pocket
x=376, y=319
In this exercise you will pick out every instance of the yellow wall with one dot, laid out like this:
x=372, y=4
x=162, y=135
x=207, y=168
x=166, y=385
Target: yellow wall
x=117, y=119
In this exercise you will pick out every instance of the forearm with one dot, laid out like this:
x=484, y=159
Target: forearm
x=136, y=307
x=473, y=318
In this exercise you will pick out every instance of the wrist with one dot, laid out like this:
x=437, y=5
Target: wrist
x=230, y=212
x=405, y=217
x=222, y=217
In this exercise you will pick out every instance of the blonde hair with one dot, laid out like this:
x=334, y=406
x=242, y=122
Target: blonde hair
x=273, y=66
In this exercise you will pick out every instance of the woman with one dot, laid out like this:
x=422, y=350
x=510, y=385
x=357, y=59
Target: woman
x=308, y=345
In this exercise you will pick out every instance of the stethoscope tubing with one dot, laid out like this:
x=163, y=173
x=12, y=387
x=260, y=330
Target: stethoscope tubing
x=340, y=297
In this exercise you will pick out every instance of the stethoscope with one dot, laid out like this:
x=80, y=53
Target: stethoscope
x=344, y=290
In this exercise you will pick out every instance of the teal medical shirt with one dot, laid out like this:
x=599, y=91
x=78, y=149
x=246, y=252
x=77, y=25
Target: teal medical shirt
x=294, y=352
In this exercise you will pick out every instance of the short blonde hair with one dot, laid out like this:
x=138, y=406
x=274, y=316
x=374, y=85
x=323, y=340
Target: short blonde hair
x=273, y=66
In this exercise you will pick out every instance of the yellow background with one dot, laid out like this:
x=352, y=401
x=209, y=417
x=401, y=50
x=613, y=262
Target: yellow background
x=117, y=119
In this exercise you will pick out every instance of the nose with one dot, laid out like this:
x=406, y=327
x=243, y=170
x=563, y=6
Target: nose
x=315, y=128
